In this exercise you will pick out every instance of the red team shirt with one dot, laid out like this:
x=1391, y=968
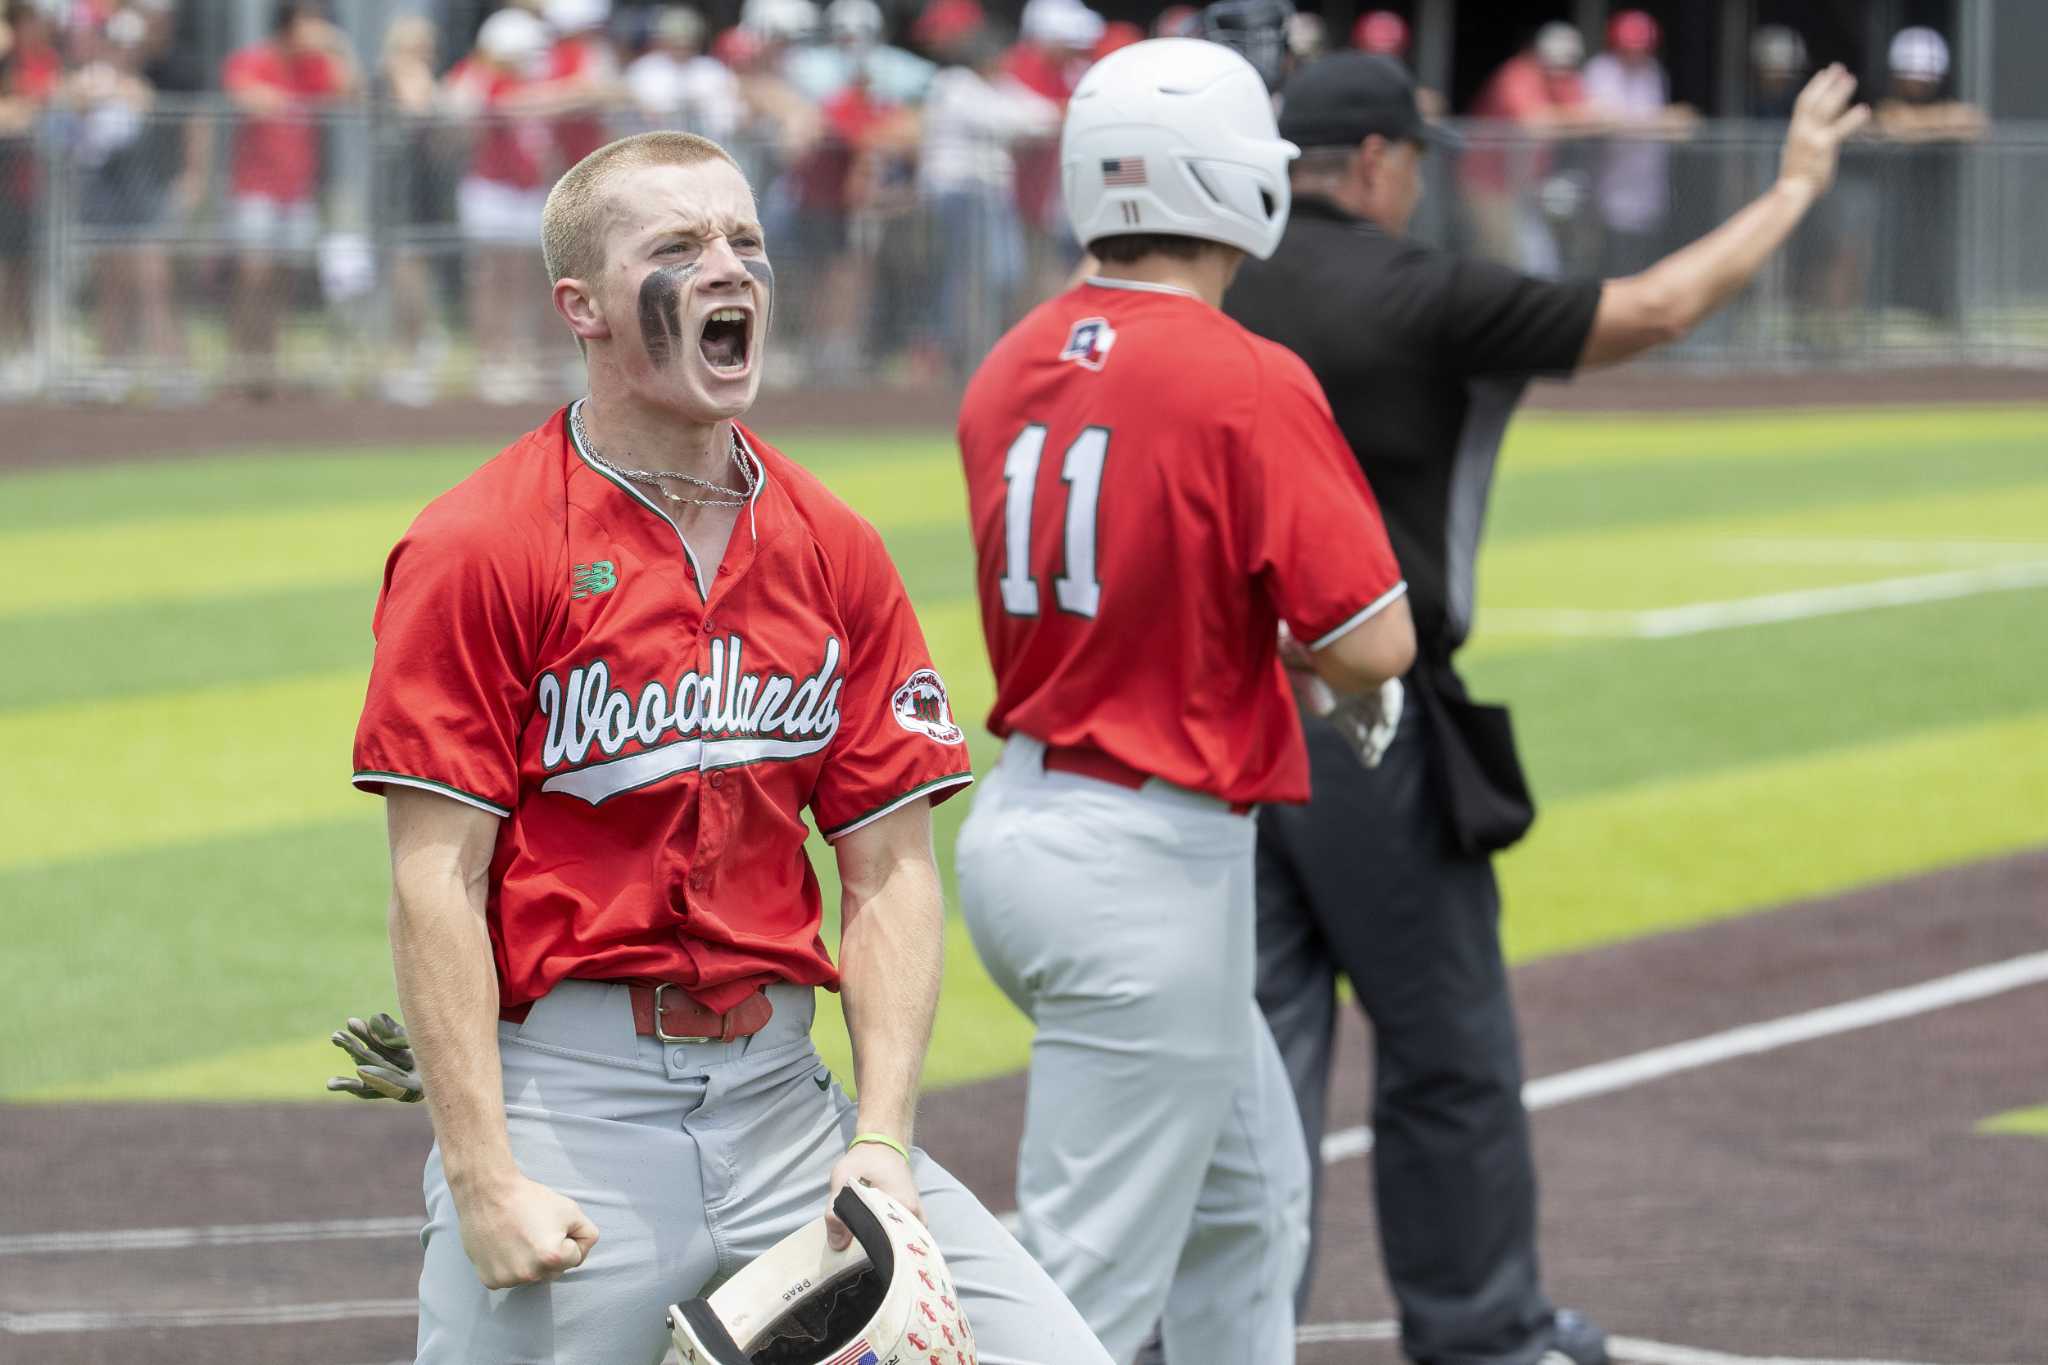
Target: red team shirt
x=546, y=652
x=278, y=156
x=1153, y=489
x=509, y=149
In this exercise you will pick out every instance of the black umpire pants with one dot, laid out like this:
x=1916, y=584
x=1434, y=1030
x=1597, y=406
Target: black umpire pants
x=1366, y=881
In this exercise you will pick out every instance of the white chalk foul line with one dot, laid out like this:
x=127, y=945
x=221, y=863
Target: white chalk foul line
x=1627, y=1350
x=1698, y=618
x=219, y=1235
x=271, y=1315
x=1658, y=1062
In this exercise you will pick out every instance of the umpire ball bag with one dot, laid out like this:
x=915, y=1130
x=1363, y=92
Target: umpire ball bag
x=885, y=1300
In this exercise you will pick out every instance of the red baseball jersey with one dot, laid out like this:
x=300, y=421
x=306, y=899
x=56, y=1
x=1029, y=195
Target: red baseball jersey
x=508, y=149
x=547, y=651
x=278, y=155
x=1153, y=490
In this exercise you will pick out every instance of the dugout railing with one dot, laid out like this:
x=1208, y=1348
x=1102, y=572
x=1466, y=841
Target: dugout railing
x=151, y=256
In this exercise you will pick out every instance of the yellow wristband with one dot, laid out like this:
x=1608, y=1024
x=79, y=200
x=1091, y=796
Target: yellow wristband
x=880, y=1140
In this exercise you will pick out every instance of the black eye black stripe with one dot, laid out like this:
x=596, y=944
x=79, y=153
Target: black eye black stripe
x=661, y=302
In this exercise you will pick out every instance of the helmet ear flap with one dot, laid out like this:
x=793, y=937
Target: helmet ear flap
x=706, y=1334
x=868, y=1233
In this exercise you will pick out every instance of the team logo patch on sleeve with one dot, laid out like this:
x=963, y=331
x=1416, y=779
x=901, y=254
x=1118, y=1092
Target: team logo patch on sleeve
x=1089, y=342
x=921, y=708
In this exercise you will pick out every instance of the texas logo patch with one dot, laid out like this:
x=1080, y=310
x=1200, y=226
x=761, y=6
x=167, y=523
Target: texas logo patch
x=1089, y=342
x=921, y=707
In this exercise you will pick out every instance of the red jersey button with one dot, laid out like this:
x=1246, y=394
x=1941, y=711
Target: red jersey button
x=718, y=779
x=697, y=881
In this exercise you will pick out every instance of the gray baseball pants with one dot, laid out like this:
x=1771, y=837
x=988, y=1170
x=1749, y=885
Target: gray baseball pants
x=1161, y=1178
x=692, y=1159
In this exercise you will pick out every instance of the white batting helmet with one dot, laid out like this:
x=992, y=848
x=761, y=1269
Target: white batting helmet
x=1176, y=135
x=885, y=1300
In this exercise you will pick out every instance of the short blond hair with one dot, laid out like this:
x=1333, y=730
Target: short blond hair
x=572, y=226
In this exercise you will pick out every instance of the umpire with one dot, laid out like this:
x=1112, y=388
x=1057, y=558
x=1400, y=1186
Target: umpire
x=1386, y=876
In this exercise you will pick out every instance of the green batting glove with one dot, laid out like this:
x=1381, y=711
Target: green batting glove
x=385, y=1068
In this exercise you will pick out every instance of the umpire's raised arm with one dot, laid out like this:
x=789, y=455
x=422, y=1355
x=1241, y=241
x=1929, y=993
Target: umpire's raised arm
x=1673, y=296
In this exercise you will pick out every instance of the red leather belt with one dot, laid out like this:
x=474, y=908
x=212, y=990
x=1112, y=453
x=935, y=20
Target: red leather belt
x=664, y=1010
x=1086, y=762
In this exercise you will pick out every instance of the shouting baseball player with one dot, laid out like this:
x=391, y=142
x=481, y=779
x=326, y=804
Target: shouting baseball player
x=614, y=668
x=1154, y=491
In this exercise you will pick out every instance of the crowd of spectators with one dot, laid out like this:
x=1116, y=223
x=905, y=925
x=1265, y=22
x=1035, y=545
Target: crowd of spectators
x=906, y=160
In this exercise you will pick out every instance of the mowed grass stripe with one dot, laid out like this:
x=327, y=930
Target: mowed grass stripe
x=254, y=481
x=266, y=940
x=1712, y=486
x=133, y=650
x=249, y=480
x=277, y=934
x=1671, y=565
x=1600, y=716
x=1560, y=440
x=150, y=490
x=1665, y=855
x=92, y=779
x=222, y=554
x=171, y=559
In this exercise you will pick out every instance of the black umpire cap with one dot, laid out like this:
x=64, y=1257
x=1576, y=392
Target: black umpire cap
x=1343, y=99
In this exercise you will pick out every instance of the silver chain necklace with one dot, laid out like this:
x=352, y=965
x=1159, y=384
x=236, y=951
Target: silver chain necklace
x=729, y=497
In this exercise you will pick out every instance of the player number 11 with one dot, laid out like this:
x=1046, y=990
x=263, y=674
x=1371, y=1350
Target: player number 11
x=1077, y=590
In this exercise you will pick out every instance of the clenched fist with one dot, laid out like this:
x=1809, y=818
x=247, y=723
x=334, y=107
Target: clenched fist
x=518, y=1231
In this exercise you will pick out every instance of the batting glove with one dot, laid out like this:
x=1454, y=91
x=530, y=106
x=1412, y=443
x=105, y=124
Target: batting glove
x=1368, y=722
x=385, y=1068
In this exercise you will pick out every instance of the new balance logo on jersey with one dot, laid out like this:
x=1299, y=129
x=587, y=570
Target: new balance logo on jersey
x=921, y=708
x=724, y=717
x=588, y=580
x=1089, y=342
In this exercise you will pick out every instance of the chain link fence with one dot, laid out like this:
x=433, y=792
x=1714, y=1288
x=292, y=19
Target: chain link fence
x=190, y=252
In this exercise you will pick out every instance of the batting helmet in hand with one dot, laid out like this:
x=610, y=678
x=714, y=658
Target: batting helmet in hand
x=885, y=1300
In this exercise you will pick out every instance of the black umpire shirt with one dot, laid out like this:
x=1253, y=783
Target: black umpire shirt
x=1423, y=355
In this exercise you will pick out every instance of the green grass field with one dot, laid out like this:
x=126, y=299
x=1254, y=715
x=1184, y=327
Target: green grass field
x=180, y=844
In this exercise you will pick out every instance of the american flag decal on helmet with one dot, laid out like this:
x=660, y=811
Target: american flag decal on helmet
x=860, y=1353
x=1120, y=171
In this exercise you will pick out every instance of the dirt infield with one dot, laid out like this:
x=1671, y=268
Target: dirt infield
x=1827, y=1198
x=41, y=435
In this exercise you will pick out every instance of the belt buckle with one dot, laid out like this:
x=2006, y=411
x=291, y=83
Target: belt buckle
x=673, y=1037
